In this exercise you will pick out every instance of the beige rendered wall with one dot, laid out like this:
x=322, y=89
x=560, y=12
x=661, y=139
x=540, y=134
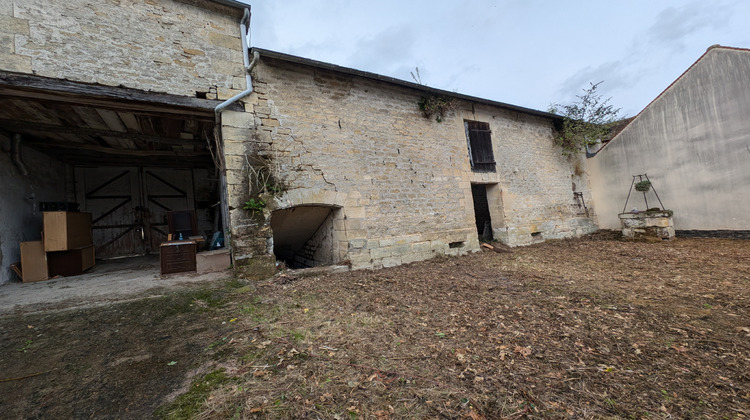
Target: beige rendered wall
x=694, y=144
x=169, y=46
x=403, y=182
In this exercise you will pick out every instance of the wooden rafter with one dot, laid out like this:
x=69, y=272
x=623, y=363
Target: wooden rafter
x=12, y=125
x=31, y=86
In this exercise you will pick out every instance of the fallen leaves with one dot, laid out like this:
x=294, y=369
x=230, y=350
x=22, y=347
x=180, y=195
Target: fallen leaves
x=562, y=329
x=523, y=351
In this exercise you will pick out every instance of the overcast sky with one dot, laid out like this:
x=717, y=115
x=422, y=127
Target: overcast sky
x=522, y=52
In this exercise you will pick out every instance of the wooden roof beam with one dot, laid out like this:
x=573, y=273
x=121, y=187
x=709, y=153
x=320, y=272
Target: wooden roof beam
x=17, y=126
x=32, y=86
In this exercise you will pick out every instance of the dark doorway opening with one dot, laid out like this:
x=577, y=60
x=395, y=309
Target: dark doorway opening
x=304, y=236
x=482, y=212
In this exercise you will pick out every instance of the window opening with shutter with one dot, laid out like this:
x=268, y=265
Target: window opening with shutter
x=478, y=136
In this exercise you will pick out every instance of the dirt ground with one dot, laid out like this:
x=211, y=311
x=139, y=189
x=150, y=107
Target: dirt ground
x=585, y=328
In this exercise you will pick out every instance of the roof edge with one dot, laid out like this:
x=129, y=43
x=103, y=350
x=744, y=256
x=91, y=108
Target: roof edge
x=232, y=3
x=712, y=47
x=387, y=79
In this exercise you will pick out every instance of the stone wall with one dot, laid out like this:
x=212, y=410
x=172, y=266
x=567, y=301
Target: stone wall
x=403, y=181
x=178, y=47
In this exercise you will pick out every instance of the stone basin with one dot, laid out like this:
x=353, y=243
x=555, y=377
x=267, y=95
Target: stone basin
x=647, y=225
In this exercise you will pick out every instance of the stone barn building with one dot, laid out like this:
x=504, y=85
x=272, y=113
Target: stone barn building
x=135, y=108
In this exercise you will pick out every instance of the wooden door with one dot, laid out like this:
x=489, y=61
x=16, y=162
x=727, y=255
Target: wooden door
x=165, y=190
x=129, y=206
x=112, y=196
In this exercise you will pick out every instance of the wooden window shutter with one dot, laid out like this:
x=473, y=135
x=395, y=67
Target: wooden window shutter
x=480, y=145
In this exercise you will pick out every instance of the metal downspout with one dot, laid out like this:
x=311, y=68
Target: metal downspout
x=248, y=66
x=244, y=25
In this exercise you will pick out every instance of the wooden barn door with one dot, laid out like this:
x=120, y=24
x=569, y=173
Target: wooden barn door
x=129, y=205
x=165, y=190
x=111, y=195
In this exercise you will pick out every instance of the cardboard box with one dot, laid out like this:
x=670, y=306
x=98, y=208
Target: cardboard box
x=64, y=230
x=33, y=262
x=72, y=262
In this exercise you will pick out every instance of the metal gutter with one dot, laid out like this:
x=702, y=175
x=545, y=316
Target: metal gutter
x=404, y=83
x=232, y=3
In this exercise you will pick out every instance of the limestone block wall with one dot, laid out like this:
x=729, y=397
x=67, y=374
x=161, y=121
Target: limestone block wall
x=535, y=182
x=403, y=182
x=251, y=236
x=178, y=47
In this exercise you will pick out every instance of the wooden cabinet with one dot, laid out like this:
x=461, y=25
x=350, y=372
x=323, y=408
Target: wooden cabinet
x=177, y=257
x=72, y=262
x=65, y=230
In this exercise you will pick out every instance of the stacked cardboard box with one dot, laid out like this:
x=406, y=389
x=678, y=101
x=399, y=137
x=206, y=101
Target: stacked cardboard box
x=66, y=248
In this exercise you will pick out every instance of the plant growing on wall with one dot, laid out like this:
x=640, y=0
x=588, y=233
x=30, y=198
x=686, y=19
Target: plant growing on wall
x=262, y=182
x=435, y=105
x=431, y=104
x=254, y=204
x=585, y=121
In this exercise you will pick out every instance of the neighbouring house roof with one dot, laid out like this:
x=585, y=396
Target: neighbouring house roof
x=333, y=67
x=617, y=127
x=623, y=127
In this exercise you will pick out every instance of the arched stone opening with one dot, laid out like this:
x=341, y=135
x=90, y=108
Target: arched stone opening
x=305, y=235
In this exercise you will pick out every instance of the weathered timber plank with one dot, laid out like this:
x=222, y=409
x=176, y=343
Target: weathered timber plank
x=49, y=128
x=91, y=117
x=130, y=121
x=25, y=85
x=27, y=110
x=77, y=147
x=112, y=120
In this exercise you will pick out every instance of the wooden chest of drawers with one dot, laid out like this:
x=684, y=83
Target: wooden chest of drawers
x=177, y=257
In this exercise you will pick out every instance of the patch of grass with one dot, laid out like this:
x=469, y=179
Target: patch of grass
x=217, y=343
x=252, y=356
x=203, y=300
x=207, y=298
x=25, y=346
x=259, y=312
x=236, y=283
x=297, y=336
x=249, y=288
x=189, y=404
x=197, y=300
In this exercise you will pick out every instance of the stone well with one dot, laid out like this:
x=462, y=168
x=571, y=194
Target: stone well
x=647, y=225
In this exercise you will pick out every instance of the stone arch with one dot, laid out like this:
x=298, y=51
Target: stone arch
x=305, y=228
x=309, y=197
